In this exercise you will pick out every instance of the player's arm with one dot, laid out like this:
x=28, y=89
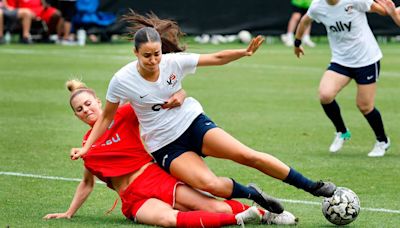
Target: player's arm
x=227, y=56
x=82, y=192
x=379, y=9
x=98, y=129
x=391, y=10
x=175, y=100
x=301, y=27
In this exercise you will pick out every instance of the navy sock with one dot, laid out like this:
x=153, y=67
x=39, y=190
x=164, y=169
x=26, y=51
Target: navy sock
x=332, y=110
x=299, y=181
x=375, y=121
x=241, y=191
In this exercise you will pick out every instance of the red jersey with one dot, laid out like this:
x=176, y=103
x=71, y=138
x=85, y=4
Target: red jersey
x=119, y=150
x=34, y=5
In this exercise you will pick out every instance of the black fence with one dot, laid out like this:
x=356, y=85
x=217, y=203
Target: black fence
x=268, y=17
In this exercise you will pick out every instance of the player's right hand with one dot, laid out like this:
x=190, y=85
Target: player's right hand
x=76, y=153
x=298, y=51
x=57, y=216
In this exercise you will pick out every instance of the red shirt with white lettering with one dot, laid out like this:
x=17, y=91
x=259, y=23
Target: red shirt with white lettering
x=119, y=150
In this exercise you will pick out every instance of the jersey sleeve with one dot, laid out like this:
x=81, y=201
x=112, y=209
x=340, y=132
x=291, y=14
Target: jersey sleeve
x=187, y=62
x=363, y=5
x=114, y=93
x=312, y=12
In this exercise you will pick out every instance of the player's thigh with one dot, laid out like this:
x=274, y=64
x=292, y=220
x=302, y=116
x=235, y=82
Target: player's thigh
x=191, y=169
x=220, y=144
x=366, y=97
x=187, y=198
x=331, y=84
x=157, y=212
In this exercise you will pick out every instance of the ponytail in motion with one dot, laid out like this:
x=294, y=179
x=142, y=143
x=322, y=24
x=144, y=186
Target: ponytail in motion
x=150, y=28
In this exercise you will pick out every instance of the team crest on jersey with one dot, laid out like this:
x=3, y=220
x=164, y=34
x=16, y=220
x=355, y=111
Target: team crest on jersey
x=349, y=8
x=172, y=80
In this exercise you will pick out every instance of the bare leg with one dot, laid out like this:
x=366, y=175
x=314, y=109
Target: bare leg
x=218, y=143
x=200, y=176
x=1, y=23
x=189, y=199
x=26, y=20
x=157, y=212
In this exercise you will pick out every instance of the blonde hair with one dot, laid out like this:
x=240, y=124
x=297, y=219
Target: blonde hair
x=76, y=86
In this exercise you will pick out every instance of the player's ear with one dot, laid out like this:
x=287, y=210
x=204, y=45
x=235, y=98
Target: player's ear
x=98, y=101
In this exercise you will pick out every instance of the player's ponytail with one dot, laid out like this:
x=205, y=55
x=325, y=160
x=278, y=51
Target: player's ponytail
x=76, y=86
x=150, y=28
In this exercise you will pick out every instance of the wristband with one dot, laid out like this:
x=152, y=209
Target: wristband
x=297, y=43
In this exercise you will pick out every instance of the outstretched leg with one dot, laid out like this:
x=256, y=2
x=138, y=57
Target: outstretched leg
x=218, y=143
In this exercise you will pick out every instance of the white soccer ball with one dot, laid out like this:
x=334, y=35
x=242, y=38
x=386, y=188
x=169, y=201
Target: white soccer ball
x=342, y=208
x=244, y=36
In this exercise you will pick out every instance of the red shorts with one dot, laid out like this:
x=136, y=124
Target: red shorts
x=152, y=183
x=44, y=14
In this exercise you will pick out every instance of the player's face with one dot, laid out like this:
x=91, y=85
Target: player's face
x=149, y=56
x=87, y=107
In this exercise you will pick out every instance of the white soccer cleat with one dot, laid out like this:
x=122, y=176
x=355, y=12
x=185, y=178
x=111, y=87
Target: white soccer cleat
x=307, y=41
x=339, y=140
x=379, y=149
x=288, y=39
x=251, y=215
x=284, y=218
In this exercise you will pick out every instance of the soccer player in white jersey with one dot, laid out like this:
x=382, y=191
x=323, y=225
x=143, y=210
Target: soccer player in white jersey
x=355, y=55
x=391, y=9
x=177, y=138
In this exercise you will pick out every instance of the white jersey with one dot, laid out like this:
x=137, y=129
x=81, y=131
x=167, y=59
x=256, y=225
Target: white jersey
x=350, y=37
x=159, y=127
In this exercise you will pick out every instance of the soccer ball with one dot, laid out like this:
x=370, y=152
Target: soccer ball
x=244, y=36
x=342, y=208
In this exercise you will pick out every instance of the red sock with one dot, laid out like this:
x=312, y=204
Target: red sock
x=194, y=219
x=238, y=207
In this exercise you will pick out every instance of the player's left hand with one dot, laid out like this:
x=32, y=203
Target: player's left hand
x=57, y=216
x=254, y=45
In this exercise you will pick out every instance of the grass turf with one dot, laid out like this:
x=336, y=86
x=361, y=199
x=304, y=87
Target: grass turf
x=268, y=101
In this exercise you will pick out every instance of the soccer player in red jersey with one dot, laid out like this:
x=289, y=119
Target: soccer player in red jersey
x=148, y=194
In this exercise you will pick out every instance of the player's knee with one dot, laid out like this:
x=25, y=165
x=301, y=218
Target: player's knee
x=212, y=185
x=167, y=219
x=326, y=97
x=365, y=108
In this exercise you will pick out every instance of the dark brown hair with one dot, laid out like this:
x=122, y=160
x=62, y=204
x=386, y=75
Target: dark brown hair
x=150, y=28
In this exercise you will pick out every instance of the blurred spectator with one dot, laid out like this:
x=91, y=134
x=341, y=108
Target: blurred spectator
x=299, y=8
x=42, y=11
x=11, y=15
x=68, y=10
x=93, y=21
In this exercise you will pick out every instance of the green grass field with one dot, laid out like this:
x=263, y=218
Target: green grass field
x=268, y=101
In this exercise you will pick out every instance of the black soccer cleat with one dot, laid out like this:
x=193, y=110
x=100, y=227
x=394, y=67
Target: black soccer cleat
x=325, y=189
x=265, y=201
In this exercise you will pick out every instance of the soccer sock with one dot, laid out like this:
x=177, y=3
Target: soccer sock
x=200, y=219
x=241, y=191
x=299, y=181
x=238, y=207
x=375, y=121
x=332, y=110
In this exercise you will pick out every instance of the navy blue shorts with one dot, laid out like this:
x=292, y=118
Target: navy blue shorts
x=296, y=9
x=190, y=140
x=362, y=75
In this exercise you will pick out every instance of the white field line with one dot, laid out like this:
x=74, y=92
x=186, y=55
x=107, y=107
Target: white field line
x=100, y=182
x=121, y=55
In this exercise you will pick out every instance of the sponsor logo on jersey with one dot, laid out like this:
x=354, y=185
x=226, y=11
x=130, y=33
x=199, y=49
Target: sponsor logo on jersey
x=172, y=80
x=143, y=96
x=340, y=27
x=113, y=139
x=349, y=8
